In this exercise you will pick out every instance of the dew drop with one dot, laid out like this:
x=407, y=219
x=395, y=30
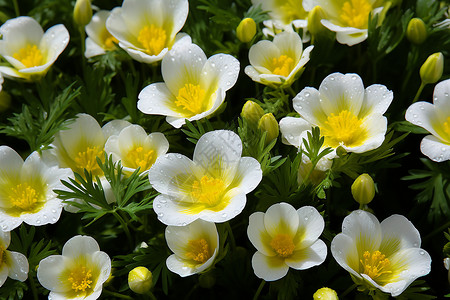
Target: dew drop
x=54, y=211
x=332, y=78
x=160, y=214
x=38, y=221
x=224, y=215
x=421, y=252
x=54, y=219
x=307, y=94
x=158, y=205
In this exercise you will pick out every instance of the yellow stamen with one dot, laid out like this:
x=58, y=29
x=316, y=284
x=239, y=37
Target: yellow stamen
x=109, y=41
x=198, y=250
x=88, y=160
x=208, y=190
x=139, y=157
x=282, y=65
x=375, y=264
x=191, y=97
x=355, y=13
x=30, y=56
x=283, y=245
x=153, y=39
x=24, y=197
x=344, y=128
x=80, y=278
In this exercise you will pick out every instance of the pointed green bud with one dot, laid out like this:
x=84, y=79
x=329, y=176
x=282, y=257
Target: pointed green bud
x=269, y=124
x=140, y=280
x=325, y=294
x=82, y=13
x=416, y=32
x=363, y=189
x=246, y=30
x=252, y=112
x=432, y=68
x=314, y=18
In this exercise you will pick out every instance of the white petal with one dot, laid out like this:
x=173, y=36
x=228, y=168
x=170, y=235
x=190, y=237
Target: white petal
x=3, y=275
x=307, y=104
x=262, y=53
x=363, y=228
x=177, y=12
x=5, y=239
x=54, y=42
x=344, y=251
x=170, y=213
x=441, y=95
x=156, y=99
x=18, y=32
x=10, y=164
x=93, y=49
x=423, y=114
x=103, y=263
x=281, y=218
x=290, y=44
x=308, y=257
x=49, y=273
x=376, y=126
x=12, y=73
x=435, y=149
x=97, y=26
x=377, y=99
x=269, y=268
x=257, y=234
x=248, y=175
x=18, y=268
x=114, y=127
x=80, y=244
x=310, y=226
x=291, y=129
x=8, y=222
x=398, y=233
x=48, y=214
x=351, y=39
x=220, y=71
x=234, y=207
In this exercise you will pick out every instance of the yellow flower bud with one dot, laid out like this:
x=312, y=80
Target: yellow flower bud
x=269, y=124
x=325, y=294
x=82, y=13
x=363, y=189
x=432, y=68
x=314, y=17
x=416, y=32
x=252, y=112
x=140, y=280
x=5, y=101
x=246, y=30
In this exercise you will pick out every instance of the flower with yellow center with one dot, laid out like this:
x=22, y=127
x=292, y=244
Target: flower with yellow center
x=99, y=39
x=12, y=264
x=26, y=190
x=195, y=246
x=194, y=87
x=384, y=256
x=435, y=118
x=212, y=186
x=78, y=273
x=29, y=50
x=286, y=238
x=347, y=114
x=148, y=29
x=135, y=148
x=349, y=18
x=279, y=62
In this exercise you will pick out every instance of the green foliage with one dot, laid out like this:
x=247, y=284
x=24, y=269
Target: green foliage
x=416, y=291
x=195, y=134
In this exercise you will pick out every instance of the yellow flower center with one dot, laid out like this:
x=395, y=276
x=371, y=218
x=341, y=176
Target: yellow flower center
x=198, y=250
x=355, y=13
x=208, y=190
x=191, y=97
x=30, y=56
x=375, y=264
x=344, y=128
x=88, y=160
x=139, y=158
x=24, y=197
x=80, y=278
x=446, y=127
x=153, y=39
x=290, y=10
x=282, y=65
x=283, y=245
x=109, y=41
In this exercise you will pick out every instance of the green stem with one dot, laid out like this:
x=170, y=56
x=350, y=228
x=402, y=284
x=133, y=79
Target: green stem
x=291, y=91
x=124, y=227
x=347, y=291
x=258, y=291
x=151, y=296
x=230, y=234
x=436, y=231
x=33, y=287
x=419, y=91
x=16, y=8
x=117, y=295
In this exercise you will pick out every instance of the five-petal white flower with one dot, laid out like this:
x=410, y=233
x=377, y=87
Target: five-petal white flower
x=148, y=29
x=12, y=264
x=195, y=246
x=212, y=187
x=79, y=273
x=99, y=39
x=436, y=119
x=384, y=256
x=286, y=238
x=28, y=49
x=194, y=87
x=277, y=63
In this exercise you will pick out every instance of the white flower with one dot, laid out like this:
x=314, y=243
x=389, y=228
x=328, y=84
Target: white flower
x=99, y=39
x=195, y=247
x=135, y=148
x=349, y=18
x=147, y=29
x=436, y=119
x=28, y=49
x=286, y=238
x=78, y=273
x=26, y=190
x=384, y=256
x=212, y=187
x=12, y=264
x=277, y=63
x=194, y=87
x=447, y=266
x=347, y=114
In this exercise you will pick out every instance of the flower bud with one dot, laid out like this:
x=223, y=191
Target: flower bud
x=447, y=266
x=416, y=32
x=252, y=112
x=325, y=294
x=246, y=30
x=314, y=18
x=82, y=13
x=140, y=280
x=432, y=68
x=363, y=189
x=269, y=124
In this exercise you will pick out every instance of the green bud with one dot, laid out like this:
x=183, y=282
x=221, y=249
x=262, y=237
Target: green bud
x=416, y=32
x=325, y=294
x=82, y=13
x=314, y=18
x=432, y=68
x=252, y=112
x=363, y=189
x=140, y=280
x=246, y=30
x=269, y=124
